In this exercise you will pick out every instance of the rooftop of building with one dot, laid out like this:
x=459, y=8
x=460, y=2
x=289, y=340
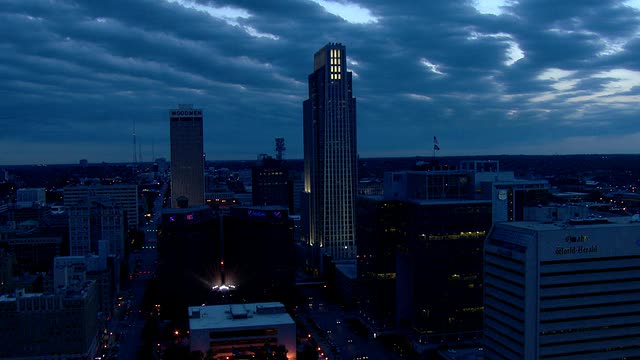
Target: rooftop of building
x=238, y=316
x=582, y=223
x=462, y=354
x=67, y=293
x=350, y=269
x=184, y=210
x=448, y=201
x=98, y=185
x=516, y=181
x=13, y=297
x=263, y=207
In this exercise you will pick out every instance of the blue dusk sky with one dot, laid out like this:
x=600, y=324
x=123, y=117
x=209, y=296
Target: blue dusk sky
x=485, y=77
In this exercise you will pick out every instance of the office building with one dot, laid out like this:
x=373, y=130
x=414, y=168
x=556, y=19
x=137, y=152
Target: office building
x=71, y=272
x=34, y=253
x=296, y=179
x=330, y=154
x=30, y=197
x=45, y=326
x=420, y=250
x=270, y=183
x=471, y=180
x=188, y=251
x=242, y=330
x=92, y=221
x=7, y=265
x=187, y=156
x=123, y=195
x=562, y=290
x=259, y=248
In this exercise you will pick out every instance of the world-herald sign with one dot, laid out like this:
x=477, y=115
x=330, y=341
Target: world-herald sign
x=582, y=249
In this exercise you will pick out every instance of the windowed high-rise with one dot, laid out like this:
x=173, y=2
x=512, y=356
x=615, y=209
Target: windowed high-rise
x=187, y=156
x=330, y=154
x=563, y=289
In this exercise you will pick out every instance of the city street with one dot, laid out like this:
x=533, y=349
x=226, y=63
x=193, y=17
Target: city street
x=339, y=335
x=127, y=328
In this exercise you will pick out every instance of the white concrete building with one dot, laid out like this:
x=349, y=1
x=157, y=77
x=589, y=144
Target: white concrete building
x=241, y=328
x=563, y=290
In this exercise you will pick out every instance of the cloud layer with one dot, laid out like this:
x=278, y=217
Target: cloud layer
x=486, y=77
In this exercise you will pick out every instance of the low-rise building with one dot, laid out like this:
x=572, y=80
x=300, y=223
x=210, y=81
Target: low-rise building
x=242, y=329
x=45, y=326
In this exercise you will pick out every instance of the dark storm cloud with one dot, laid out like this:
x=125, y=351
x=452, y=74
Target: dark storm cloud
x=76, y=75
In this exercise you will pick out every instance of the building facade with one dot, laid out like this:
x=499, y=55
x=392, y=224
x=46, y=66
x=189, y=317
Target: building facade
x=34, y=253
x=270, y=183
x=188, y=248
x=93, y=221
x=424, y=239
x=562, y=290
x=45, y=326
x=123, y=195
x=330, y=154
x=30, y=197
x=259, y=252
x=187, y=155
x=242, y=330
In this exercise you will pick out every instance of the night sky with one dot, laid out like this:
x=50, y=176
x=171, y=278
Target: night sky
x=485, y=77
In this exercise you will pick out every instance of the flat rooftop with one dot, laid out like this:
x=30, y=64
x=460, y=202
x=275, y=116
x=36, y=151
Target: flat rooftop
x=238, y=316
x=350, y=270
x=581, y=223
x=462, y=354
x=449, y=201
x=12, y=297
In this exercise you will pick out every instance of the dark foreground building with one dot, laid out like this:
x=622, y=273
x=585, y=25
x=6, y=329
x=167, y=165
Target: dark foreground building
x=422, y=260
x=270, y=183
x=187, y=254
x=255, y=256
x=43, y=326
x=259, y=250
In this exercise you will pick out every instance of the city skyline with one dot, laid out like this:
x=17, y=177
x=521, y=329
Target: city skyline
x=485, y=77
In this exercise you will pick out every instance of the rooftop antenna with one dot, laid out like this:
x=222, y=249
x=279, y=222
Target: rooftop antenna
x=280, y=148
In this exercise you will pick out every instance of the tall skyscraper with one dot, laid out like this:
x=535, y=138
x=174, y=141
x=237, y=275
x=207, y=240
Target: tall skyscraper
x=187, y=156
x=330, y=154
